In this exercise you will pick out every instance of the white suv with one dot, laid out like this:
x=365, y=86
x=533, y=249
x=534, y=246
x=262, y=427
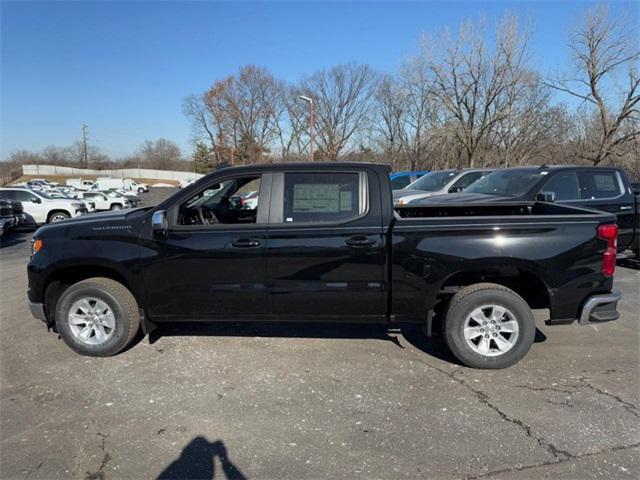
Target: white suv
x=40, y=208
x=103, y=202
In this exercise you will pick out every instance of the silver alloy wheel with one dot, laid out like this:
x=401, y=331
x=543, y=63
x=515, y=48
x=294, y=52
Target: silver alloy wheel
x=91, y=321
x=491, y=330
x=58, y=217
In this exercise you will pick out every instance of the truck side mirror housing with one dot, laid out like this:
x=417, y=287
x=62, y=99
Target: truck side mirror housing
x=455, y=189
x=159, y=223
x=546, y=197
x=635, y=188
x=35, y=200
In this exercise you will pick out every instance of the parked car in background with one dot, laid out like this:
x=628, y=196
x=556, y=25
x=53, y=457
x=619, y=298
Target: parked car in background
x=130, y=199
x=132, y=185
x=44, y=181
x=325, y=244
x=7, y=218
x=91, y=206
x=40, y=208
x=600, y=188
x=402, y=179
x=103, y=202
x=80, y=184
x=438, y=183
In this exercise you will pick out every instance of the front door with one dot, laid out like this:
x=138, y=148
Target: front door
x=211, y=264
x=325, y=251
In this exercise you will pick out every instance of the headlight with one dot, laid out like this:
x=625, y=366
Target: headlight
x=401, y=202
x=78, y=205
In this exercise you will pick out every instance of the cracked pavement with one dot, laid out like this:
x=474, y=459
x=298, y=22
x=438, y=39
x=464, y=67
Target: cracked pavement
x=305, y=401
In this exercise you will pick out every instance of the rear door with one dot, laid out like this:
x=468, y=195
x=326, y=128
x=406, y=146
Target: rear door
x=604, y=189
x=325, y=250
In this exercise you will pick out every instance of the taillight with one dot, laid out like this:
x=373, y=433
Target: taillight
x=610, y=234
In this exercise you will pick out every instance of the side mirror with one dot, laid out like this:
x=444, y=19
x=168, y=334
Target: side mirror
x=35, y=200
x=455, y=189
x=546, y=197
x=159, y=223
x=635, y=188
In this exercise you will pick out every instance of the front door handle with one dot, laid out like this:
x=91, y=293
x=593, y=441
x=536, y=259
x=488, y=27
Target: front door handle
x=628, y=207
x=360, y=241
x=245, y=243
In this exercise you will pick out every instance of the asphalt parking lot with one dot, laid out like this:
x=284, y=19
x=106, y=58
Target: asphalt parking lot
x=307, y=401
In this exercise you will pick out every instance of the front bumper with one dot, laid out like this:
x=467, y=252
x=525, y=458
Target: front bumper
x=600, y=308
x=37, y=311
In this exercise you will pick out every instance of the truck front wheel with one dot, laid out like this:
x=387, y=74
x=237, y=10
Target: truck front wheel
x=488, y=326
x=97, y=317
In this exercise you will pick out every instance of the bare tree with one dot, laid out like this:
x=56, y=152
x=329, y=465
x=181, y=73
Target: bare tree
x=601, y=48
x=196, y=109
x=161, y=154
x=469, y=77
x=342, y=99
x=390, y=108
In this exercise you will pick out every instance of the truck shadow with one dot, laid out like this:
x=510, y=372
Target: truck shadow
x=411, y=333
x=197, y=462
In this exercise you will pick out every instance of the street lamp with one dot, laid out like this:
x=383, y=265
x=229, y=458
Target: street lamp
x=311, y=119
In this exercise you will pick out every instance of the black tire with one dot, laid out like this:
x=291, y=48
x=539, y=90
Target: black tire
x=121, y=302
x=470, y=298
x=57, y=216
x=141, y=190
x=116, y=206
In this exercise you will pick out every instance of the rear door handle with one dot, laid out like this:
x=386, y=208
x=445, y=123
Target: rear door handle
x=626, y=208
x=360, y=241
x=245, y=243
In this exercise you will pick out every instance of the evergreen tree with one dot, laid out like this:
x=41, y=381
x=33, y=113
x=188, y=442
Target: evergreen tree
x=202, y=158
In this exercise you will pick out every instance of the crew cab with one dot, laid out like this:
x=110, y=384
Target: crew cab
x=324, y=243
x=600, y=188
x=39, y=208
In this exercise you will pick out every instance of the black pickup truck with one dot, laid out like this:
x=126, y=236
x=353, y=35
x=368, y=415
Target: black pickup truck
x=324, y=243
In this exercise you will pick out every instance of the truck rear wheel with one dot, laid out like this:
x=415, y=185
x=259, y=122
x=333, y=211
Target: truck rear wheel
x=97, y=317
x=488, y=326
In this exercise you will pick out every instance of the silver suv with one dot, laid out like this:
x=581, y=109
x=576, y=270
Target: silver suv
x=438, y=183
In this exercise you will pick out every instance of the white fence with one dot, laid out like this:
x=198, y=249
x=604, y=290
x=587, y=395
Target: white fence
x=36, y=170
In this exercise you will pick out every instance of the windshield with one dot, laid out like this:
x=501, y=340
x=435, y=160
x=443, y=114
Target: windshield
x=42, y=194
x=432, y=181
x=506, y=183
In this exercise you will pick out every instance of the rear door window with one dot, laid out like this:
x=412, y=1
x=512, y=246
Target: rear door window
x=600, y=184
x=323, y=197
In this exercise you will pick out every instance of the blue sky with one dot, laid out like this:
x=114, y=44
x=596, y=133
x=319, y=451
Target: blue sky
x=123, y=68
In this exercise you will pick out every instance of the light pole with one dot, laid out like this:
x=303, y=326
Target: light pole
x=311, y=119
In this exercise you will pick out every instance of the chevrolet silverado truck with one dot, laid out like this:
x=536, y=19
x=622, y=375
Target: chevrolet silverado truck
x=325, y=244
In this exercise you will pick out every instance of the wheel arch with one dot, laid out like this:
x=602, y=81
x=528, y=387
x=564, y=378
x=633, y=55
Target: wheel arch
x=524, y=281
x=57, y=210
x=62, y=278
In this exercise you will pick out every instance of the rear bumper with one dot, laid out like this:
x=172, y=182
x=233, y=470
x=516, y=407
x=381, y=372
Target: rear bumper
x=600, y=308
